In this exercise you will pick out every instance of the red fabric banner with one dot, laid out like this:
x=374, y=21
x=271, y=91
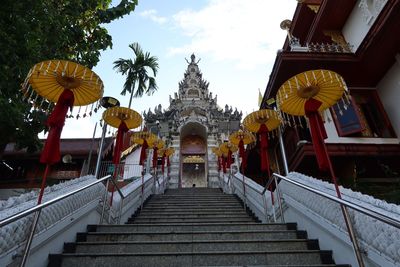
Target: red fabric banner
x=244, y=162
x=119, y=142
x=229, y=160
x=241, y=148
x=51, y=151
x=143, y=152
x=224, y=164
x=163, y=162
x=263, y=131
x=318, y=133
x=155, y=157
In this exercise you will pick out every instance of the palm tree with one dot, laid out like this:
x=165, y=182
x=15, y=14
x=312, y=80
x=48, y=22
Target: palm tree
x=136, y=71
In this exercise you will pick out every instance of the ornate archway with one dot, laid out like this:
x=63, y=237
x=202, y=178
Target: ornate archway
x=193, y=159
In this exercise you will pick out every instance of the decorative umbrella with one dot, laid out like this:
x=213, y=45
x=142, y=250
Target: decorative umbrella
x=308, y=94
x=157, y=145
x=227, y=149
x=67, y=84
x=145, y=139
x=161, y=154
x=262, y=122
x=241, y=138
x=218, y=153
x=169, y=152
x=123, y=119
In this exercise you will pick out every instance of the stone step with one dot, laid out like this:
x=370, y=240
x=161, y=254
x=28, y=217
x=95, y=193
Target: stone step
x=190, y=220
x=191, y=246
x=189, y=235
x=191, y=227
x=187, y=209
x=180, y=196
x=191, y=215
x=197, y=201
x=193, y=191
x=194, y=205
x=221, y=258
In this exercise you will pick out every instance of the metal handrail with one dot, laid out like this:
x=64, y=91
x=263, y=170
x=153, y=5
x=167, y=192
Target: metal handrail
x=24, y=213
x=369, y=212
x=37, y=209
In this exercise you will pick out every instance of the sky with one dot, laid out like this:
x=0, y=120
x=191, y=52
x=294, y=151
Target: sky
x=235, y=40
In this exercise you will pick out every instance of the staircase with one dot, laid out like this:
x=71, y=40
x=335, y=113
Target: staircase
x=193, y=227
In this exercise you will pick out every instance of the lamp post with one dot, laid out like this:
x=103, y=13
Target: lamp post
x=106, y=102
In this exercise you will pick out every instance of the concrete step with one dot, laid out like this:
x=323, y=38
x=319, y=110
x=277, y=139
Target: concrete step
x=190, y=246
x=221, y=258
x=190, y=220
x=180, y=196
x=192, y=215
x=196, y=202
x=191, y=227
x=192, y=191
x=189, y=235
x=194, y=205
x=197, y=210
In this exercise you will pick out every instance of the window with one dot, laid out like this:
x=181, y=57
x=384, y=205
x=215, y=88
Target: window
x=365, y=117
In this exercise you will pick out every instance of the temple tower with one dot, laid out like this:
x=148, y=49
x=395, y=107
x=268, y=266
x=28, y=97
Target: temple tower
x=193, y=124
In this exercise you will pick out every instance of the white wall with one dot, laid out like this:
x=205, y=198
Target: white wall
x=389, y=92
x=360, y=21
x=132, y=167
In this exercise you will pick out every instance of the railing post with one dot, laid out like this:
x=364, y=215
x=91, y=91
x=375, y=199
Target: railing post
x=30, y=238
x=103, y=134
x=266, y=207
x=278, y=192
x=141, y=204
x=283, y=152
x=104, y=201
x=121, y=204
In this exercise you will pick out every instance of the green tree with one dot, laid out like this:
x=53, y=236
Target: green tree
x=33, y=31
x=136, y=73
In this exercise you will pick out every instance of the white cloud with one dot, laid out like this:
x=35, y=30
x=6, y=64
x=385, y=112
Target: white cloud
x=152, y=15
x=246, y=32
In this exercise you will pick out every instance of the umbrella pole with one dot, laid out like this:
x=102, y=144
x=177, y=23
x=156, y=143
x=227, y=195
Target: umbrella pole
x=345, y=212
x=43, y=184
x=112, y=186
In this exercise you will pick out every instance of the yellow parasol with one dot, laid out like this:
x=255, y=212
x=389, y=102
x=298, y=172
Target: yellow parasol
x=141, y=136
x=67, y=84
x=267, y=117
x=51, y=77
x=227, y=147
x=115, y=115
x=325, y=86
x=240, y=135
x=216, y=151
x=262, y=122
x=169, y=151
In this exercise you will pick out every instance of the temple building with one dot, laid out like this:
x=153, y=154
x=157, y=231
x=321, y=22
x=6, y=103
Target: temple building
x=192, y=125
x=359, y=42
